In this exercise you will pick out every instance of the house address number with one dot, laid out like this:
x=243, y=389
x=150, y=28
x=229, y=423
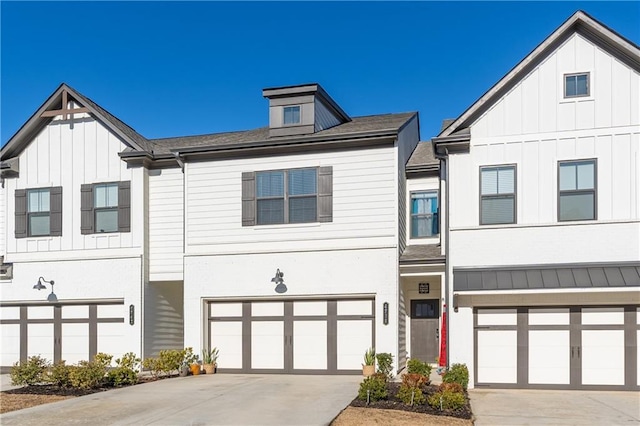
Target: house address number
x=423, y=288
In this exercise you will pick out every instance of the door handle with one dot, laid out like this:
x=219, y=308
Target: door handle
x=572, y=347
x=437, y=333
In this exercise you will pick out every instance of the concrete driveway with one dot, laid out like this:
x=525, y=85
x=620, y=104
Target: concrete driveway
x=220, y=399
x=545, y=407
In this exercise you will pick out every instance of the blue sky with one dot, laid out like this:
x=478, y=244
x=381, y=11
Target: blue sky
x=174, y=69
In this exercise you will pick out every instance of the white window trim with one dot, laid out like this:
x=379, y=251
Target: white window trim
x=292, y=124
x=574, y=99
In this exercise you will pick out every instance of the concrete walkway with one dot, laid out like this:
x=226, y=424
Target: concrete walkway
x=220, y=399
x=546, y=407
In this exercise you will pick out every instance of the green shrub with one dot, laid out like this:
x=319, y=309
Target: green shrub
x=30, y=372
x=125, y=372
x=377, y=387
x=90, y=374
x=418, y=367
x=411, y=396
x=385, y=364
x=410, y=391
x=457, y=373
x=87, y=375
x=59, y=374
x=447, y=400
x=451, y=387
x=154, y=365
x=171, y=360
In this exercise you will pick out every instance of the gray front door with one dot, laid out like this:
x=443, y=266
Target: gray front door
x=424, y=329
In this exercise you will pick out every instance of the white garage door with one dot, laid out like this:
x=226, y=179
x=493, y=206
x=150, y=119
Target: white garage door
x=564, y=348
x=292, y=336
x=70, y=332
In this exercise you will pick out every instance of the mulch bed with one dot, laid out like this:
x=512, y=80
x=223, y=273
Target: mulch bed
x=393, y=403
x=61, y=391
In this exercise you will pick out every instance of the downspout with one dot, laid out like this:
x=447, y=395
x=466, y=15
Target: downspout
x=443, y=159
x=446, y=256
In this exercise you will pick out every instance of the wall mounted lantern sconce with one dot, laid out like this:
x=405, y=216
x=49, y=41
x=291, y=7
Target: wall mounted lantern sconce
x=280, y=287
x=39, y=286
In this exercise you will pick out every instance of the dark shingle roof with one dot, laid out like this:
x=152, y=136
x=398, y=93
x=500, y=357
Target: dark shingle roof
x=423, y=155
x=427, y=253
x=391, y=122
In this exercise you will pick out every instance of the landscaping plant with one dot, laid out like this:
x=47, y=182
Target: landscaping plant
x=418, y=367
x=90, y=374
x=59, y=374
x=171, y=360
x=126, y=371
x=447, y=400
x=385, y=364
x=210, y=356
x=154, y=365
x=373, y=388
x=370, y=357
x=30, y=372
x=410, y=391
x=457, y=373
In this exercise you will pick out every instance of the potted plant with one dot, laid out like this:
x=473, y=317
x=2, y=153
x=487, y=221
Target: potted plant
x=369, y=367
x=209, y=358
x=192, y=361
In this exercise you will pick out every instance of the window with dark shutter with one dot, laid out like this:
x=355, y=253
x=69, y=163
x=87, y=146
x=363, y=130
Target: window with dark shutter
x=105, y=207
x=21, y=213
x=287, y=196
x=38, y=212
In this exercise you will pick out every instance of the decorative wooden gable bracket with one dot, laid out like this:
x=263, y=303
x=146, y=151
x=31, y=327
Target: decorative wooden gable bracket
x=64, y=111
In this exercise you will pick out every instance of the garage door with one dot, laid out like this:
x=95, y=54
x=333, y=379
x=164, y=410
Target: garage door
x=558, y=348
x=70, y=332
x=292, y=336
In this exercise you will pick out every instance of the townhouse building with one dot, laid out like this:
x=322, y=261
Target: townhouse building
x=295, y=247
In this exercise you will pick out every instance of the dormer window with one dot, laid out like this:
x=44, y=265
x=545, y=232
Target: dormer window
x=576, y=85
x=291, y=115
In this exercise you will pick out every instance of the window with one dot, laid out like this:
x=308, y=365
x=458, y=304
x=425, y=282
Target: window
x=424, y=214
x=105, y=207
x=291, y=115
x=497, y=195
x=577, y=190
x=286, y=196
x=576, y=85
x=38, y=212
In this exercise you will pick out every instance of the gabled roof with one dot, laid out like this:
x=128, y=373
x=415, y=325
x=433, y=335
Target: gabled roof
x=580, y=22
x=36, y=123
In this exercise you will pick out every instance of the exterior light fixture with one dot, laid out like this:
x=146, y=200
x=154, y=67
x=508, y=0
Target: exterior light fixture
x=40, y=286
x=280, y=287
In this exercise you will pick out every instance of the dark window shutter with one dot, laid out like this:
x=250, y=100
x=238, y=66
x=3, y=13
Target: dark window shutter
x=86, y=209
x=55, y=211
x=248, y=199
x=124, y=206
x=325, y=194
x=21, y=213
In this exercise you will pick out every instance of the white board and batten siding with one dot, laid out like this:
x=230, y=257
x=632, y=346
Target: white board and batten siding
x=3, y=219
x=364, y=205
x=534, y=127
x=68, y=155
x=166, y=225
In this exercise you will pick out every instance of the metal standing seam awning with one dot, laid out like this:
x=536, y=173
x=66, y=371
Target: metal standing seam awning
x=547, y=277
